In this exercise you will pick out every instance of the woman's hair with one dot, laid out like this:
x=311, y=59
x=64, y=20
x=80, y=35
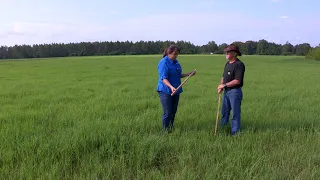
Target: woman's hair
x=170, y=50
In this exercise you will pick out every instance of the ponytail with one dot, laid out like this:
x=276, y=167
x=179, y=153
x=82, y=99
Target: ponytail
x=170, y=50
x=165, y=52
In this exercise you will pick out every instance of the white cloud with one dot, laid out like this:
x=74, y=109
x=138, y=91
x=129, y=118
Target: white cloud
x=156, y=27
x=284, y=17
x=38, y=28
x=45, y=32
x=194, y=27
x=180, y=26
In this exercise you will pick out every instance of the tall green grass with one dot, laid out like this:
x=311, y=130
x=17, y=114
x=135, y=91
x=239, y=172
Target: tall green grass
x=100, y=118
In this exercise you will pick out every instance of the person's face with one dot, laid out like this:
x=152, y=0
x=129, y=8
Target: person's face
x=173, y=55
x=230, y=55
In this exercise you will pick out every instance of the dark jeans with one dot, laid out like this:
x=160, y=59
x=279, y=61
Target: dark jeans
x=169, y=106
x=232, y=101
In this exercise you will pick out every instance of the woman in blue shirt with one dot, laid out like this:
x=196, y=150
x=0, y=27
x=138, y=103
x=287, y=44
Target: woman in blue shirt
x=170, y=74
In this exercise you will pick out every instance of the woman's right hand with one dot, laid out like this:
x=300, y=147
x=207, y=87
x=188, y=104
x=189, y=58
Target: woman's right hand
x=166, y=82
x=173, y=89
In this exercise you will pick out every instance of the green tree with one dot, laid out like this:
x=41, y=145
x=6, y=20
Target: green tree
x=302, y=49
x=287, y=49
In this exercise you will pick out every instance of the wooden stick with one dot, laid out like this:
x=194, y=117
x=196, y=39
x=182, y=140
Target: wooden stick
x=217, y=119
x=184, y=82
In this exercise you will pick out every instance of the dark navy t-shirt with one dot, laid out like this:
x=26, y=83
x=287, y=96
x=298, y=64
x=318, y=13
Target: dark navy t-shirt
x=234, y=71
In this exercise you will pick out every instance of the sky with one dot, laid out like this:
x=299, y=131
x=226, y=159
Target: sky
x=223, y=21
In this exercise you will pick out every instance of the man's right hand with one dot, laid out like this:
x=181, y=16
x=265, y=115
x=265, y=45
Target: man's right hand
x=220, y=91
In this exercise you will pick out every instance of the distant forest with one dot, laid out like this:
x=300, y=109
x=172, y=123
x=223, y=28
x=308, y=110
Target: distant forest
x=261, y=47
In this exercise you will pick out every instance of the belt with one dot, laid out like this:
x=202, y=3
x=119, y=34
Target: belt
x=230, y=88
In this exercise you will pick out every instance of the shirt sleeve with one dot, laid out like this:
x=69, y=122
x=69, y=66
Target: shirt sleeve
x=163, y=71
x=240, y=69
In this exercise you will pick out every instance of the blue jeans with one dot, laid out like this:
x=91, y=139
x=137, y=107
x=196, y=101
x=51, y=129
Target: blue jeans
x=232, y=101
x=169, y=106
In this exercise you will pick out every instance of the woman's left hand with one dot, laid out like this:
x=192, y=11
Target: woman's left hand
x=193, y=73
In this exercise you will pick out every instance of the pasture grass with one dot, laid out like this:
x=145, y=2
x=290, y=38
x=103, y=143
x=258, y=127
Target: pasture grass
x=100, y=118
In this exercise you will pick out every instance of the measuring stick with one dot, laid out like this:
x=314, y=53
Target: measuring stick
x=184, y=81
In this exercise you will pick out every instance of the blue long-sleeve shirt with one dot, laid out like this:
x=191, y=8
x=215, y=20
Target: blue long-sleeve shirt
x=170, y=70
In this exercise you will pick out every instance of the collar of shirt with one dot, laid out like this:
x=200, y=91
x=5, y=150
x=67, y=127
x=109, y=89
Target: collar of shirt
x=171, y=61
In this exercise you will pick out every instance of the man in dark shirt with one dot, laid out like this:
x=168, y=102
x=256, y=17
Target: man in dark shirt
x=231, y=83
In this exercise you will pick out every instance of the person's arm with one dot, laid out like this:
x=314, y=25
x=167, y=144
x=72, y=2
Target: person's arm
x=167, y=83
x=187, y=74
x=164, y=74
x=184, y=75
x=233, y=83
x=239, y=73
x=221, y=82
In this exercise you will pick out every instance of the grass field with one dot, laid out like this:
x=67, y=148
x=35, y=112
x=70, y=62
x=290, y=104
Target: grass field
x=100, y=118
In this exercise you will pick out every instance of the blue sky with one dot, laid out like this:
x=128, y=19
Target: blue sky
x=47, y=21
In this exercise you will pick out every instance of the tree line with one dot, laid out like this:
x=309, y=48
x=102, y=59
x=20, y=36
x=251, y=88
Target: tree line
x=261, y=47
